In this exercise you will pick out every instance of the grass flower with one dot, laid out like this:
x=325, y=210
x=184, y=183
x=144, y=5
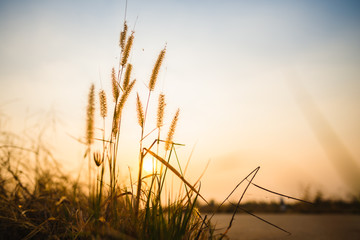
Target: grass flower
x=123, y=36
x=127, y=76
x=115, y=85
x=127, y=49
x=120, y=106
x=156, y=69
x=140, y=111
x=160, y=110
x=103, y=104
x=90, y=116
x=98, y=158
x=172, y=130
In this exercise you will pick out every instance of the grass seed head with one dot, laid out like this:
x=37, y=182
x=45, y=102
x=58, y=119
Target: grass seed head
x=127, y=76
x=103, y=104
x=123, y=37
x=140, y=112
x=90, y=116
x=116, y=120
x=171, y=132
x=156, y=69
x=115, y=87
x=120, y=106
x=161, y=110
x=127, y=49
x=125, y=95
x=98, y=158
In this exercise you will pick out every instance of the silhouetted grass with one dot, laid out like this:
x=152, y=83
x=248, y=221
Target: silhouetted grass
x=49, y=205
x=38, y=201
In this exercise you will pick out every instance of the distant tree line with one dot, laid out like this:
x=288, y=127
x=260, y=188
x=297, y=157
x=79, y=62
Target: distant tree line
x=318, y=206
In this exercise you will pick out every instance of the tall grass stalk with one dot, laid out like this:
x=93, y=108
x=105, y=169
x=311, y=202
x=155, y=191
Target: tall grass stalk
x=90, y=128
x=151, y=87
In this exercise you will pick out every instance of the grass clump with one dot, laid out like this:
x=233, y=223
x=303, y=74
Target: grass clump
x=138, y=211
x=37, y=202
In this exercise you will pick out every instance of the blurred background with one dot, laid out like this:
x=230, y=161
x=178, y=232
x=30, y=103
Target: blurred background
x=270, y=84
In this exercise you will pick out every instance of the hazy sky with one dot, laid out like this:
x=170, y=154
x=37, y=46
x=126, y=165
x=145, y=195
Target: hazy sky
x=228, y=68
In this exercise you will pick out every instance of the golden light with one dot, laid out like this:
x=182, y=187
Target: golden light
x=148, y=164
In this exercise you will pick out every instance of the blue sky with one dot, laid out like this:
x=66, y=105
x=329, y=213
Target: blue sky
x=227, y=67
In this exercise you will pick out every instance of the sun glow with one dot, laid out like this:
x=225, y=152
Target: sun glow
x=148, y=164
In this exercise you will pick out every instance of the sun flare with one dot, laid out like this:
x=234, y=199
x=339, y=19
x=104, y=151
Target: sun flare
x=148, y=164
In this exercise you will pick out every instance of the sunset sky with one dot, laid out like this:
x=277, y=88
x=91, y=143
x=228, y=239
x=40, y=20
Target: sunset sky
x=229, y=67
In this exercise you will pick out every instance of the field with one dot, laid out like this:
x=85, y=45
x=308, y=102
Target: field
x=301, y=226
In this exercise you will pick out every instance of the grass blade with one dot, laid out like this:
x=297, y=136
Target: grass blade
x=175, y=172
